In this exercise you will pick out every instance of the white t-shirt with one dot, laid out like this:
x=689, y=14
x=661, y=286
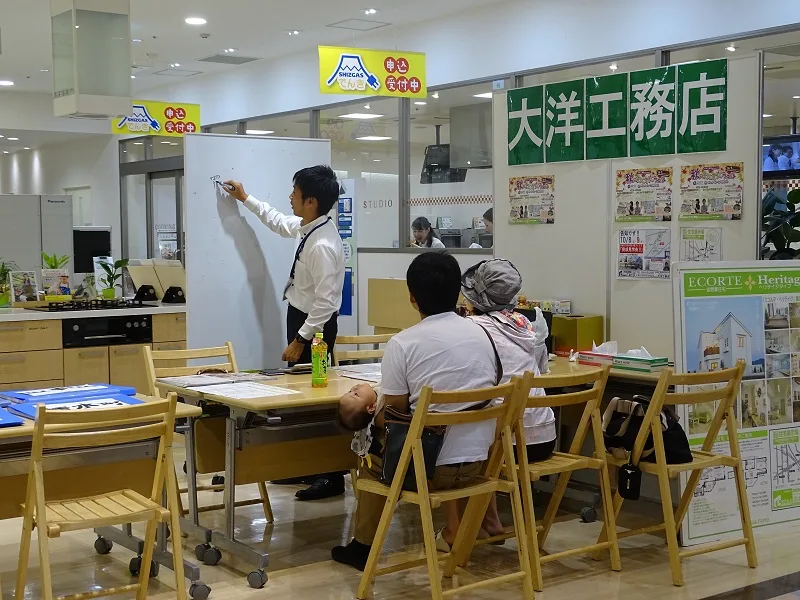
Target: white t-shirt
x=448, y=353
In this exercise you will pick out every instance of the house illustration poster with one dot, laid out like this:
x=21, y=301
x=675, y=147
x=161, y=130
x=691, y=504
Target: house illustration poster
x=729, y=342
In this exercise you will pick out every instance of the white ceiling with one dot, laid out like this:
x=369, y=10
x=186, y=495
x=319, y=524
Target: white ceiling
x=34, y=139
x=255, y=28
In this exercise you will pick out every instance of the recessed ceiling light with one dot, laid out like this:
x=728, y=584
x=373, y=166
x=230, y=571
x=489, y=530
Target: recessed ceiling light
x=173, y=143
x=165, y=142
x=370, y=11
x=133, y=76
x=6, y=82
x=376, y=160
x=483, y=95
x=730, y=48
x=138, y=143
x=44, y=70
x=613, y=66
x=364, y=116
x=77, y=26
x=229, y=50
x=5, y=151
x=294, y=32
x=766, y=116
x=195, y=21
x=13, y=139
x=435, y=95
x=2, y=136
x=258, y=131
x=420, y=103
x=136, y=41
x=173, y=65
x=26, y=148
x=796, y=97
x=367, y=106
x=373, y=138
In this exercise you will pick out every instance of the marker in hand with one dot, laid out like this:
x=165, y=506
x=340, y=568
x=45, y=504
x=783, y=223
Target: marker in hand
x=225, y=186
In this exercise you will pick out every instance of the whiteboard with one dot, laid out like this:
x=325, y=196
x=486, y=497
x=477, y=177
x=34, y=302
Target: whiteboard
x=236, y=268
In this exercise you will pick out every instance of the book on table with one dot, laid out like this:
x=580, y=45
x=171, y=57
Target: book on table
x=66, y=392
x=28, y=410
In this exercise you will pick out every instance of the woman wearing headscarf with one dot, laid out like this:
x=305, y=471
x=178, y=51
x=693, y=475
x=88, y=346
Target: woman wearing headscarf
x=490, y=289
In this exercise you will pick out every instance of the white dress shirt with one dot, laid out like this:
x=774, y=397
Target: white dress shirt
x=319, y=273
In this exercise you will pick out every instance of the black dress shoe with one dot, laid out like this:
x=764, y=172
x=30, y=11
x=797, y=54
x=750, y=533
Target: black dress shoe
x=294, y=481
x=322, y=488
x=355, y=555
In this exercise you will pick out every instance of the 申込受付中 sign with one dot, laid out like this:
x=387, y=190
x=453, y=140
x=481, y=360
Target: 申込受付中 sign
x=149, y=117
x=667, y=110
x=361, y=72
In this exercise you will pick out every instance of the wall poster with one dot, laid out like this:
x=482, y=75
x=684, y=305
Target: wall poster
x=644, y=194
x=701, y=244
x=643, y=254
x=712, y=192
x=532, y=200
x=743, y=311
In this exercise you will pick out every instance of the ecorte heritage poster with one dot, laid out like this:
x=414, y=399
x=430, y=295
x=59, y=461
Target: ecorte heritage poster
x=643, y=254
x=744, y=311
x=532, y=200
x=644, y=194
x=712, y=192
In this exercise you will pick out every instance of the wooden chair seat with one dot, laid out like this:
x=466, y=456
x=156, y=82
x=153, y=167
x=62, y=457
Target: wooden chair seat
x=116, y=508
x=482, y=485
x=562, y=462
x=700, y=460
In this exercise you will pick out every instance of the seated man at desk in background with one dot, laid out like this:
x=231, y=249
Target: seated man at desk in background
x=316, y=278
x=447, y=353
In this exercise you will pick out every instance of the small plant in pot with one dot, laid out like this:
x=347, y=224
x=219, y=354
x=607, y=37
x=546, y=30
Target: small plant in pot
x=53, y=261
x=780, y=226
x=113, y=273
x=5, y=285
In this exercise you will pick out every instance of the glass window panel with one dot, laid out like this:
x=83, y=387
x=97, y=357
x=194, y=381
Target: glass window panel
x=134, y=150
x=230, y=128
x=364, y=147
x=135, y=216
x=164, y=147
x=293, y=125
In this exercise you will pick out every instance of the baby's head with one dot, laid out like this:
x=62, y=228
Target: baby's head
x=357, y=407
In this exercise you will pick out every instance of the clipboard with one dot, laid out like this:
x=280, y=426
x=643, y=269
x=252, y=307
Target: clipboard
x=170, y=273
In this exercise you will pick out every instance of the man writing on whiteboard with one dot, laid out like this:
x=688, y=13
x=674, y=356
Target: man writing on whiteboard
x=314, y=289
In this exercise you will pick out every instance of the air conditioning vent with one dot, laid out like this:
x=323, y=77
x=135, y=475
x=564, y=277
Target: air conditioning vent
x=358, y=25
x=228, y=59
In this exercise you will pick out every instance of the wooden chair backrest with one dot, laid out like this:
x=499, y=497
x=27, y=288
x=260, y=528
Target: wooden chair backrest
x=341, y=356
x=590, y=398
x=93, y=428
x=152, y=357
x=729, y=382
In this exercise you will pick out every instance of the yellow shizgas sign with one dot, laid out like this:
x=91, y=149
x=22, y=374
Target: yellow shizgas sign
x=360, y=72
x=148, y=117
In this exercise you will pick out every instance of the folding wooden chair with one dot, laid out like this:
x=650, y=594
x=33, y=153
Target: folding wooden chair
x=173, y=363
x=340, y=356
x=702, y=459
x=92, y=429
x=478, y=492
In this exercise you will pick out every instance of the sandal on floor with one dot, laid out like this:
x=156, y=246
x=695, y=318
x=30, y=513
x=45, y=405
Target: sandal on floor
x=441, y=543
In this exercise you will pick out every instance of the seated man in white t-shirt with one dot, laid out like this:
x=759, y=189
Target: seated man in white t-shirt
x=447, y=353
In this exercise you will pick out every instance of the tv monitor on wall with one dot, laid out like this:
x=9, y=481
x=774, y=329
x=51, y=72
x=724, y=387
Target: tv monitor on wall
x=780, y=157
x=88, y=242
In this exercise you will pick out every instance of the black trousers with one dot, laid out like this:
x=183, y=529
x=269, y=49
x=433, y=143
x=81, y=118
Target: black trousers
x=295, y=319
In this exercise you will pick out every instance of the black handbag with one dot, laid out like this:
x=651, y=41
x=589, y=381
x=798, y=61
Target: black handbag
x=396, y=426
x=623, y=419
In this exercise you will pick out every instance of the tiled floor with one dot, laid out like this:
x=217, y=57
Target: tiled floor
x=300, y=540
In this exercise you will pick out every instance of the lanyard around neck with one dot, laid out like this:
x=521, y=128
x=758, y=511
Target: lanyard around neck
x=302, y=245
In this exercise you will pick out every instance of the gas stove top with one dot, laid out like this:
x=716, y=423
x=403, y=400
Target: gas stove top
x=97, y=304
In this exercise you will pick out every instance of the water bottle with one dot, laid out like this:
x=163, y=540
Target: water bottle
x=319, y=362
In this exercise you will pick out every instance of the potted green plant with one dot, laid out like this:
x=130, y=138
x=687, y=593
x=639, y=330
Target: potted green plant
x=5, y=285
x=780, y=226
x=53, y=261
x=113, y=273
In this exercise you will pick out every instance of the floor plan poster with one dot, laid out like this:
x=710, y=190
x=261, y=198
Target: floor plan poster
x=712, y=192
x=701, y=244
x=643, y=253
x=644, y=194
x=749, y=312
x=532, y=200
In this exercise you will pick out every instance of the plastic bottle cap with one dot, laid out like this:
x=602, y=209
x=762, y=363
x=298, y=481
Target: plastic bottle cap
x=318, y=335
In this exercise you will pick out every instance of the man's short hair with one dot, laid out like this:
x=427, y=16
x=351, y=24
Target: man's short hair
x=319, y=182
x=434, y=279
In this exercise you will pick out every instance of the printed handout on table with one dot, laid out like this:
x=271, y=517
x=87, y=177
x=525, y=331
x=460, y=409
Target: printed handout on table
x=643, y=254
x=712, y=192
x=644, y=194
x=243, y=390
x=193, y=380
x=701, y=244
x=532, y=200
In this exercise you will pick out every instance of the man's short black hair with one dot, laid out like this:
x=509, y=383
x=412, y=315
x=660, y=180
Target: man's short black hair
x=434, y=279
x=489, y=215
x=319, y=182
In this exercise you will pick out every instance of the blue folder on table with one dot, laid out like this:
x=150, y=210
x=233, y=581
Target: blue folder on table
x=9, y=420
x=28, y=410
x=67, y=392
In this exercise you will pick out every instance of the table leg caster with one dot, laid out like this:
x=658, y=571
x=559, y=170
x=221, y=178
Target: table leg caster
x=588, y=514
x=199, y=591
x=257, y=579
x=103, y=546
x=135, y=567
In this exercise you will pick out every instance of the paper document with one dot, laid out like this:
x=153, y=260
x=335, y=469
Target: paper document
x=243, y=390
x=372, y=377
x=365, y=368
x=193, y=380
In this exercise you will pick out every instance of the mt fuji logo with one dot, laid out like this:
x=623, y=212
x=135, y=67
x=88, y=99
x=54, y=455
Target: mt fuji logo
x=139, y=120
x=352, y=75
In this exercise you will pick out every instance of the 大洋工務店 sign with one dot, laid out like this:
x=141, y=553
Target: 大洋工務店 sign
x=746, y=311
x=362, y=72
x=667, y=110
x=148, y=117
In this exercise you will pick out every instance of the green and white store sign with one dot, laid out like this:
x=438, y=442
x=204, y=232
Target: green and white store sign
x=746, y=311
x=668, y=110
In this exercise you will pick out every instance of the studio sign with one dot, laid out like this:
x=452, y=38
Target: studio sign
x=378, y=203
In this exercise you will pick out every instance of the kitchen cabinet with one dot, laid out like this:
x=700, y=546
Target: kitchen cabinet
x=86, y=365
x=31, y=366
x=24, y=336
x=169, y=328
